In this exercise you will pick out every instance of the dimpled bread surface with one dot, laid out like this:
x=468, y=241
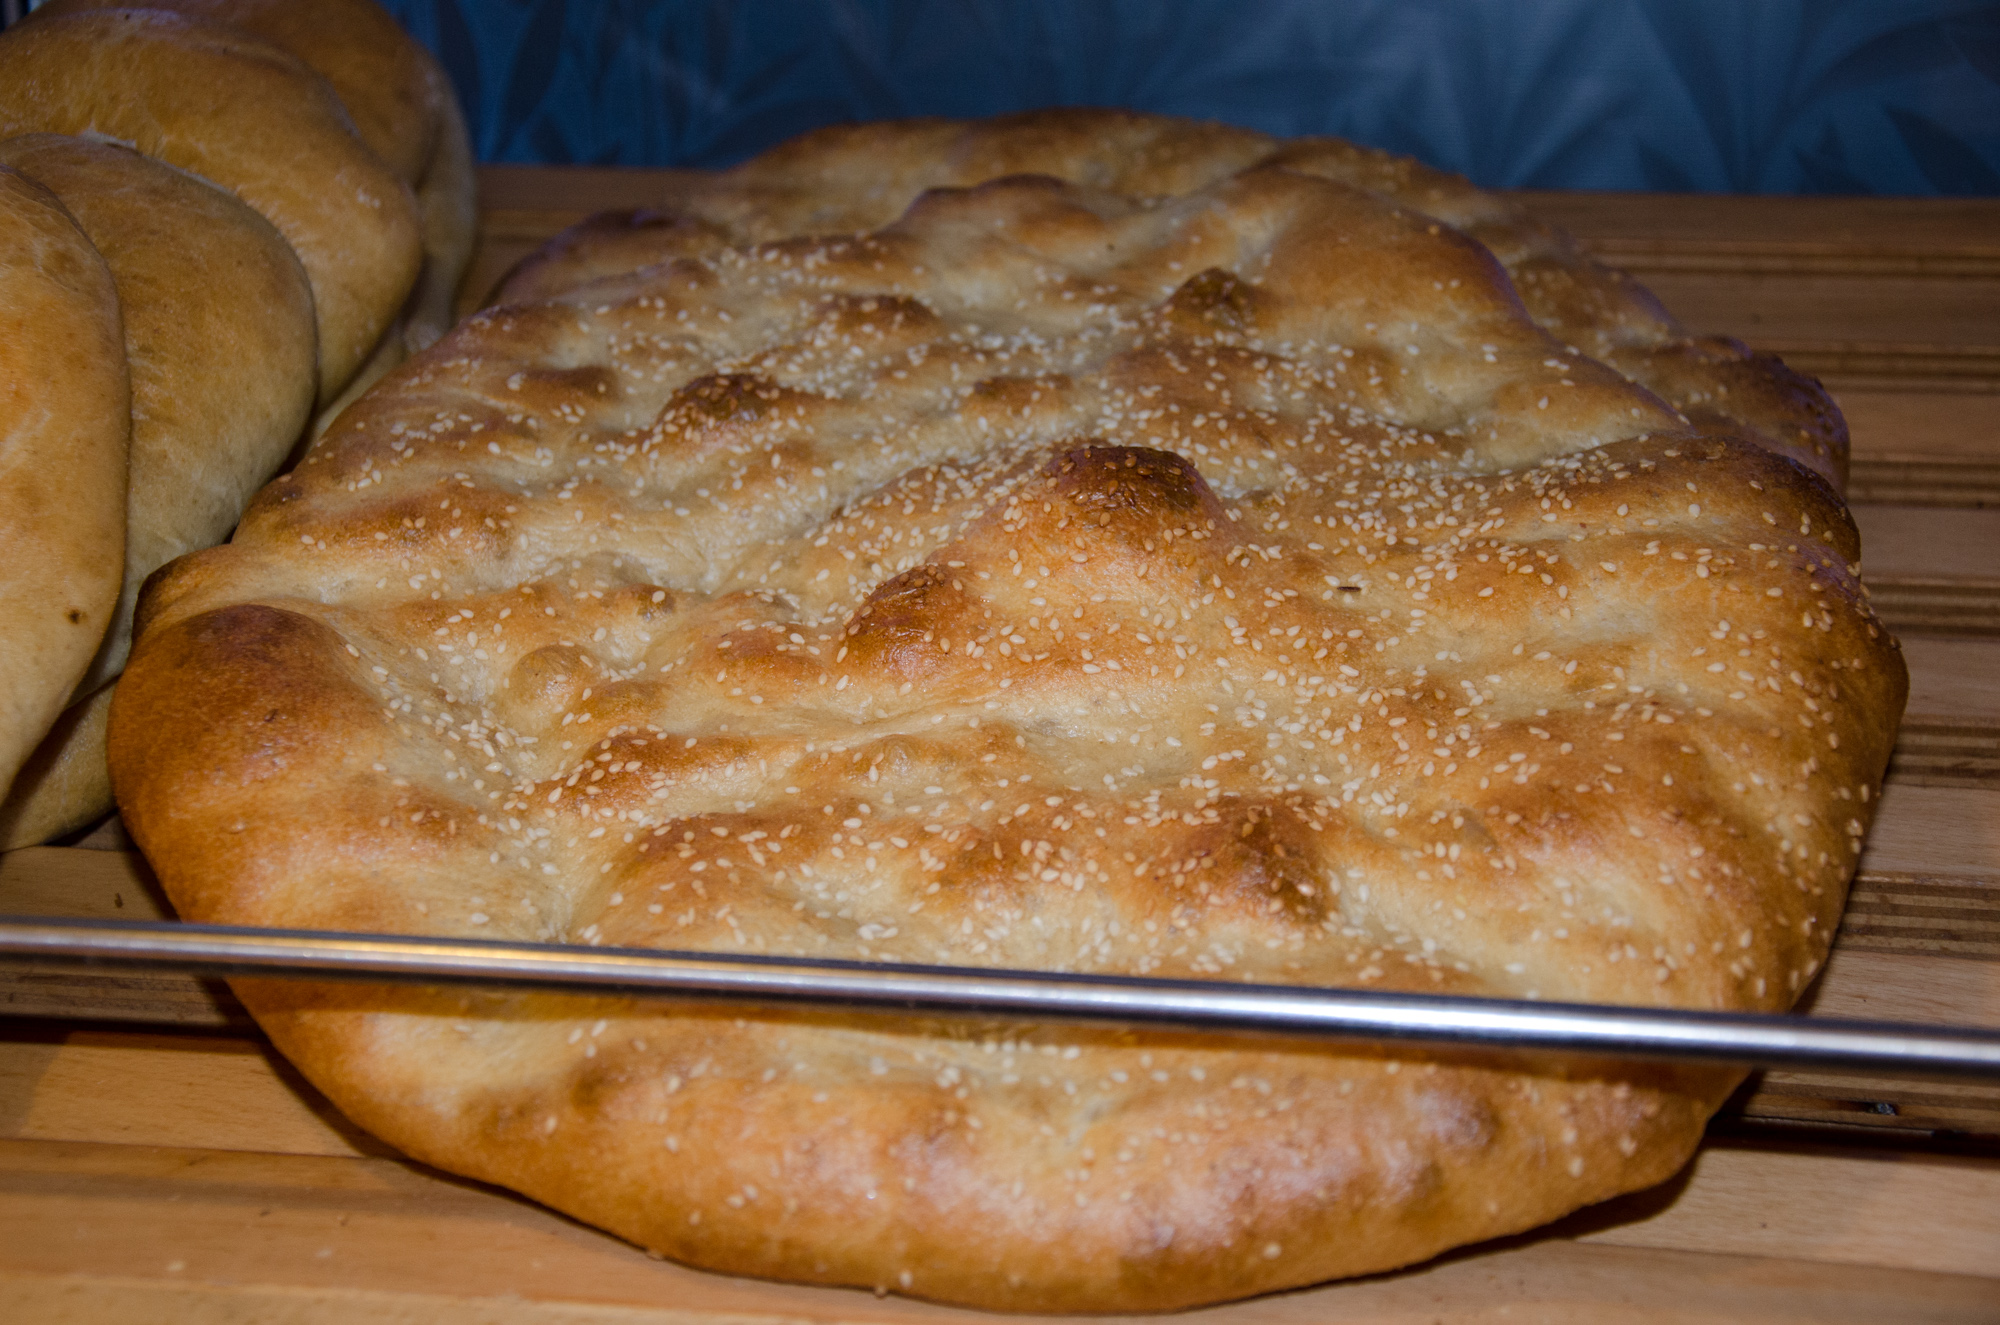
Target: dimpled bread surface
x=1239, y=585
x=861, y=176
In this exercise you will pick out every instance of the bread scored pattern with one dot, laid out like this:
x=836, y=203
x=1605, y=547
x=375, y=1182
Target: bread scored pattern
x=1235, y=586
x=65, y=422
x=858, y=177
x=249, y=118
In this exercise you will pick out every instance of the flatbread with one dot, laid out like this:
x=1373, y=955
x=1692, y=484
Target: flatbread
x=65, y=423
x=860, y=176
x=1237, y=583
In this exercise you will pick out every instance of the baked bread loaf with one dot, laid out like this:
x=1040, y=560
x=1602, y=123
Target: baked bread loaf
x=1235, y=584
x=219, y=343
x=65, y=420
x=221, y=317
x=249, y=118
x=403, y=109
x=858, y=177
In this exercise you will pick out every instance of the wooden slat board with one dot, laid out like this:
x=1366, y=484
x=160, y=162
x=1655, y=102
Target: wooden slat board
x=141, y=1233
x=159, y=1162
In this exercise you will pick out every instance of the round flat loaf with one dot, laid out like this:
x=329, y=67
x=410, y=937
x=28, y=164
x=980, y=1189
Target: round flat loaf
x=402, y=106
x=248, y=117
x=65, y=419
x=1237, y=585
x=219, y=341
x=858, y=177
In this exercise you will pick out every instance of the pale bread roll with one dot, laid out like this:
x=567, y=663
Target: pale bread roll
x=383, y=78
x=254, y=120
x=65, y=417
x=403, y=108
x=218, y=330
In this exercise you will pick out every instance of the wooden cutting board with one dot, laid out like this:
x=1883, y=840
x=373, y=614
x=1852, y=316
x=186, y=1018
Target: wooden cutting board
x=159, y=1162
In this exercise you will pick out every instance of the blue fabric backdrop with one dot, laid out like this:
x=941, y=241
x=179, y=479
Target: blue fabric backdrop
x=1766, y=96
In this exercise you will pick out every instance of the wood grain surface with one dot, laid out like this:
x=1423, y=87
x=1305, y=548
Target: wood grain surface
x=160, y=1163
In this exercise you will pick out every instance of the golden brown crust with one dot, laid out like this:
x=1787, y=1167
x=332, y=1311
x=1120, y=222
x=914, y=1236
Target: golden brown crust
x=1237, y=585
x=380, y=75
x=219, y=341
x=219, y=313
x=248, y=117
x=858, y=177
x=218, y=327
x=403, y=109
x=607, y=244
x=65, y=419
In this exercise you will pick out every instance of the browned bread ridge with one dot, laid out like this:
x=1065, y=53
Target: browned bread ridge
x=65, y=417
x=248, y=117
x=858, y=177
x=1235, y=584
x=219, y=340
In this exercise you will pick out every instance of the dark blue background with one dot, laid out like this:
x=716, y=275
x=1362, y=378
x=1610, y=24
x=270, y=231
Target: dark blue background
x=1758, y=96
x=1763, y=96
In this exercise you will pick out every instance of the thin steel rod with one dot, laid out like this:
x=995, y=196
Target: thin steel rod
x=1337, y=1014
